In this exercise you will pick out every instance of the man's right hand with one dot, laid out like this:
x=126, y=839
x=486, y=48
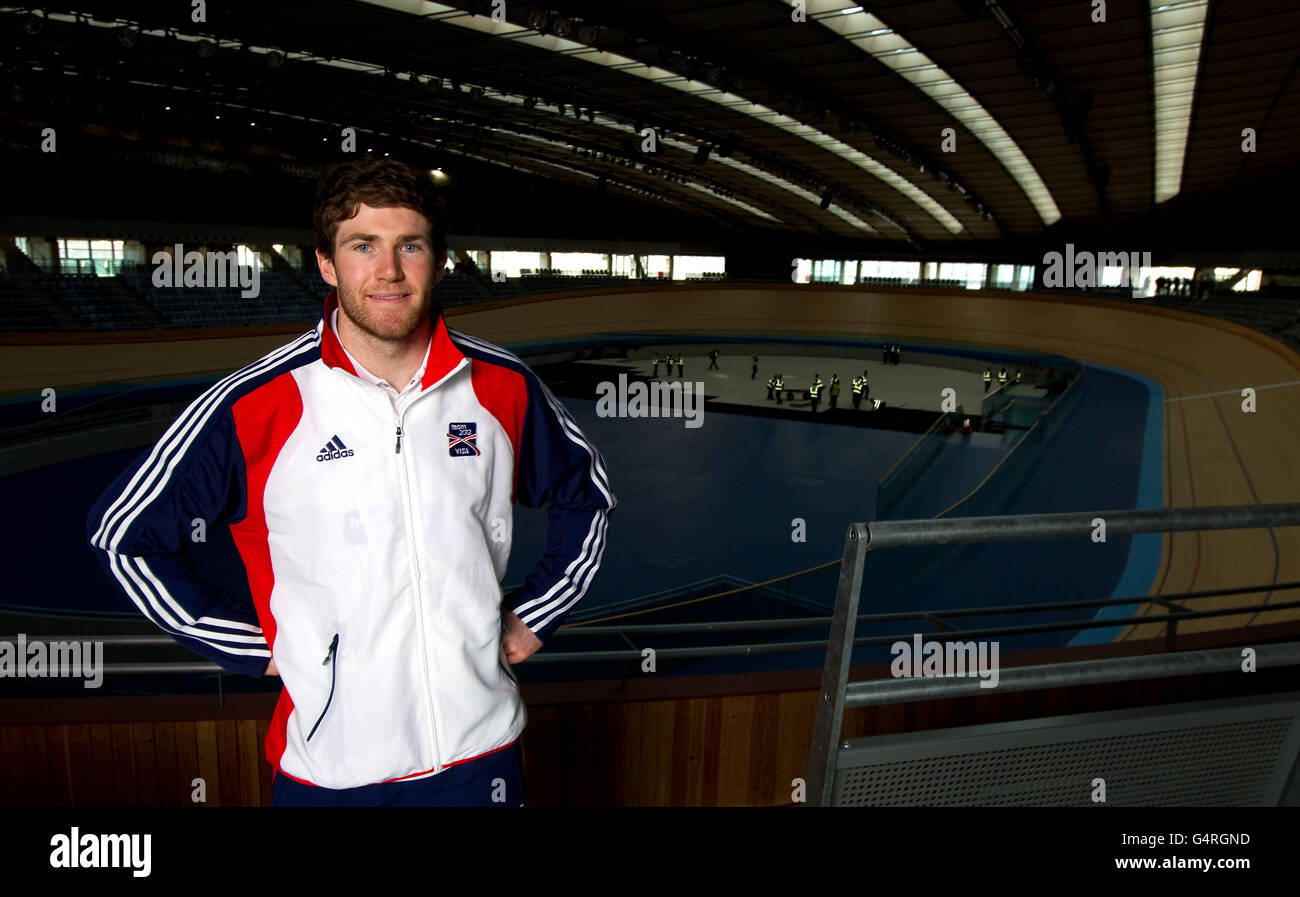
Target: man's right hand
x=271, y=670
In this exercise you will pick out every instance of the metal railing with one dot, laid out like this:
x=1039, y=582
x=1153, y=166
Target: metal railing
x=836, y=694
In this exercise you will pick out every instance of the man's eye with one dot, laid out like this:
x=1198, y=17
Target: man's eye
x=362, y=246
x=416, y=245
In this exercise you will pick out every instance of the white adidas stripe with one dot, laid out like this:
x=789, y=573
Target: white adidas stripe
x=584, y=577
x=548, y=606
x=132, y=502
x=119, y=516
x=573, y=586
x=599, y=475
x=133, y=583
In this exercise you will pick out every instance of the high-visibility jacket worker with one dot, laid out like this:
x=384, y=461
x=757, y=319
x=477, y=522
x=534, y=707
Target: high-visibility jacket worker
x=857, y=391
x=988, y=379
x=1002, y=377
x=656, y=364
x=815, y=390
x=1019, y=375
x=780, y=385
x=835, y=389
x=771, y=385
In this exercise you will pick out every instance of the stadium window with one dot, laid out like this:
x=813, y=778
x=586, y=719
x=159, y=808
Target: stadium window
x=624, y=266
x=685, y=266
x=577, y=262
x=658, y=266
x=514, y=263
x=101, y=258
x=826, y=271
x=247, y=257
x=803, y=271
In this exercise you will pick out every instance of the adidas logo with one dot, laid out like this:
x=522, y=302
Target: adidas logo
x=333, y=450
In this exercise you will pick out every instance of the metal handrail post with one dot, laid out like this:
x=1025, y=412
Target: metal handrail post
x=835, y=673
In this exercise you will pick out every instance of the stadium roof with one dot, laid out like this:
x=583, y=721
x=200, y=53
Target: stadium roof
x=953, y=127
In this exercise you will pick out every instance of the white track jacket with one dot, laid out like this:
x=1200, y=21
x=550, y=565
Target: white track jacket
x=373, y=542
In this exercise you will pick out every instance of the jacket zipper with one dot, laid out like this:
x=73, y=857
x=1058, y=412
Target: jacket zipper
x=415, y=566
x=333, y=655
x=415, y=583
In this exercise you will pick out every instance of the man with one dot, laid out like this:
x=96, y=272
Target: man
x=815, y=391
x=780, y=385
x=713, y=359
x=835, y=389
x=655, y=372
x=988, y=379
x=753, y=366
x=373, y=522
x=1002, y=376
x=866, y=386
x=680, y=359
x=857, y=391
x=771, y=385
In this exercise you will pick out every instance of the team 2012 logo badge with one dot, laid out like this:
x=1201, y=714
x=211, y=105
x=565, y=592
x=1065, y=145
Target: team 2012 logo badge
x=462, y=439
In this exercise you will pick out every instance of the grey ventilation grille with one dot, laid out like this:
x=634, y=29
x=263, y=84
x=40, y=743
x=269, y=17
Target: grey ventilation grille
x=1219, y=753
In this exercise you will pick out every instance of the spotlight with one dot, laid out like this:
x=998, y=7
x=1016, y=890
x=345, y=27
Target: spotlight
x=128, y=37
x=530, y=102
x=588, y=34
x=562, y=27
x=206, y=49
x=537, y=20
x=275, y=59
x=32, y=23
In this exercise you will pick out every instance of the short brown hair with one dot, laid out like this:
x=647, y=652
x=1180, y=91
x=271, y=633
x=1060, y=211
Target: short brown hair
x=380, y=182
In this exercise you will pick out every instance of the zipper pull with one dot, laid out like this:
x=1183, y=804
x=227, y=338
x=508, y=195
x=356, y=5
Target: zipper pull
x=398, y=448
x=333, y=645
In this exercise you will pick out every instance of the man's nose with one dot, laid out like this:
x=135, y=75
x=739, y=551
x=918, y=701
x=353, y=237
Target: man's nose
x=390, y=265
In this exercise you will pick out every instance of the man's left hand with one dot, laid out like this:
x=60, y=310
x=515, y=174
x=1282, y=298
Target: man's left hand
x=518, y=639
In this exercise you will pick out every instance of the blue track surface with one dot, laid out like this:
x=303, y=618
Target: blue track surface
x=723, y=500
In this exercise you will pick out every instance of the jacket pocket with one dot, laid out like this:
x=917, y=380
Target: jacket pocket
x=501, y=653
x=331, y=658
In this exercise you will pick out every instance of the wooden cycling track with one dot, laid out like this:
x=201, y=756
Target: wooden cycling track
x=1214, y=453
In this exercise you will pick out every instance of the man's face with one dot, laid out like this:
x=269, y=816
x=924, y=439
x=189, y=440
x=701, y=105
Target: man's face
x=385, y=269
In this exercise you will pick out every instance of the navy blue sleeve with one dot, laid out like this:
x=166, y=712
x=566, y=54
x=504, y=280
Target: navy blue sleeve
x=559, y=468
x=145, y=524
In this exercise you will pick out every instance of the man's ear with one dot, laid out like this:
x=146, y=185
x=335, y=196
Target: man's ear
x=326, y=267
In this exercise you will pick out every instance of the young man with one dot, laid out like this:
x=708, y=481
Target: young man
x=367, y=472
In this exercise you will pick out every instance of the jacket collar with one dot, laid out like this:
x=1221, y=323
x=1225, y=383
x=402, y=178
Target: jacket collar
x=444, y=357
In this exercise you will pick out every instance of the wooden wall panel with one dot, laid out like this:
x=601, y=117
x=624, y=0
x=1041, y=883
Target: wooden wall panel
x=722, y=750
